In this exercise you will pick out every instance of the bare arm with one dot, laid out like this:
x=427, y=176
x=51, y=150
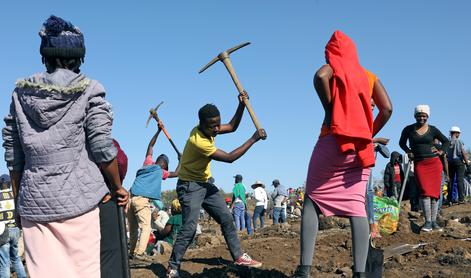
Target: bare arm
x=150, y=147
x=235, y=121
x=322, y=86
x=465, y=155
x=166, y=231
x=445, y=168
x=110, y=169
x=15, y=177
x=174, y=174
x=381, y=98
x=221, y=155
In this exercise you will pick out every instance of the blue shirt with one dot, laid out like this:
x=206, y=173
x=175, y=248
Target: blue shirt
x=148, y=182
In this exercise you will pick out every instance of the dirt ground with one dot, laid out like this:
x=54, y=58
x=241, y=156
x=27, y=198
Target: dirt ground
x=444, y=254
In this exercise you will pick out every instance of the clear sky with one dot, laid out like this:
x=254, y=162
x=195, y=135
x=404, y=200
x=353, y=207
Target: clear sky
x=145, y=52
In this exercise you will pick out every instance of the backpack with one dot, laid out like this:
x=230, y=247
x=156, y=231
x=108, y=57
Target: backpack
x=455, y=150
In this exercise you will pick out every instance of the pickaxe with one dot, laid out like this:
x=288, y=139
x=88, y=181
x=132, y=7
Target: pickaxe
x=224, y=58
x=153, y=114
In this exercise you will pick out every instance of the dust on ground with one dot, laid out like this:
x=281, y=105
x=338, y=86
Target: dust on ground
x=444, y=254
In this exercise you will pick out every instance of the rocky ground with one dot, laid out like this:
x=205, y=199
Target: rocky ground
x=435, y=254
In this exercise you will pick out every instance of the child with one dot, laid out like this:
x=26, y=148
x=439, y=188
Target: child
x=195, y=189
x=145, y=189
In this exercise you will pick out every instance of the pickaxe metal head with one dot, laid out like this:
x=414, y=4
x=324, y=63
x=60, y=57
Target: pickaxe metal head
x=153, y=113
x=223, y=55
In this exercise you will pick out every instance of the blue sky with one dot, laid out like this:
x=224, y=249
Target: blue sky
x=145, y=52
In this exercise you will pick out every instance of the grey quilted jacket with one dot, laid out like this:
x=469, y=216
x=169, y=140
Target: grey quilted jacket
x=58, y=128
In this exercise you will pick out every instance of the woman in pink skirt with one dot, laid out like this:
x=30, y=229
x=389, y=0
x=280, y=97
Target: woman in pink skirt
x=58, y=129
x=341, y=161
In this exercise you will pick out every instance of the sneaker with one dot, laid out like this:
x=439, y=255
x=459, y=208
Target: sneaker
x=143, y=257
x=436, y=227
x=427, y=227
x=246, y=260
x=172, y=273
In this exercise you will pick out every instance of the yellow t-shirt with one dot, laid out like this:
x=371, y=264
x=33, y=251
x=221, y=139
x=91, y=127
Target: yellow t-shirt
x=196, y=161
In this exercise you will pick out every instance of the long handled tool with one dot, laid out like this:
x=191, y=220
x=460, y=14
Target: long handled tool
x=224, y=58
x=153, y=114
x=124, y=242
x=404, y=183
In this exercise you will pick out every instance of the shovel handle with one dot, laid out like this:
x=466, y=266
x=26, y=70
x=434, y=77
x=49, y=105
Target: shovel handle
x=123, y=242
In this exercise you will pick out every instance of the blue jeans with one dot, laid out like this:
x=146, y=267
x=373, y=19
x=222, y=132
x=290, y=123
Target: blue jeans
x=239, y=215
x=9, y=254
x=277, y=213
x=259, y=212
x=370, y=193
x=248, y=222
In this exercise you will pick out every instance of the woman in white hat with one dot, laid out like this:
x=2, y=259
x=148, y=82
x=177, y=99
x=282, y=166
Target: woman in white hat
x=427, y=165
x=457, y=159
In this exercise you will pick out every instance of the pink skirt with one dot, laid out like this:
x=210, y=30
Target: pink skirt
x=336, y=182
x=68, y=248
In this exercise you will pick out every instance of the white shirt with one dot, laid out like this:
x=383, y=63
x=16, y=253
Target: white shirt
x=261, y=197
x=161, y=221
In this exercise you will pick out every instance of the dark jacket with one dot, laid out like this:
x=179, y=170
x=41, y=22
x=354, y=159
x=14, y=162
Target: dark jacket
x=389, y=170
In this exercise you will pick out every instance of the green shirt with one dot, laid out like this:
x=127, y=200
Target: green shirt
x=239, y=192
x=176, y=222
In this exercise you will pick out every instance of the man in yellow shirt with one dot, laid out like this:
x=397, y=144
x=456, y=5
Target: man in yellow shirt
x=196, y=189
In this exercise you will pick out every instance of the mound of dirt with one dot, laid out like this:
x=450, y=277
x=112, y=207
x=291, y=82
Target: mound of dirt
x=434, y=254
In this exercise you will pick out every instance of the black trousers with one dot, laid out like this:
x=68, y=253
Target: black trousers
x=111, y=265
x=456, y=169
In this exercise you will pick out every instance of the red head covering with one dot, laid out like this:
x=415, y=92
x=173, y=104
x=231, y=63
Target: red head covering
x=352, y=119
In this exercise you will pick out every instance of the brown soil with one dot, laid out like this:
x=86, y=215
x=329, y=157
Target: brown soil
x=446, y=254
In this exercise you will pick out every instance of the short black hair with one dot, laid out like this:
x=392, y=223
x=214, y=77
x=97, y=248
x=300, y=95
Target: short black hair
x=163, y=158
x=208, y=111
x=53, y=63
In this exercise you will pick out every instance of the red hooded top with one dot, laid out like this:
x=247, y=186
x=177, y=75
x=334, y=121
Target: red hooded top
x=352, y=118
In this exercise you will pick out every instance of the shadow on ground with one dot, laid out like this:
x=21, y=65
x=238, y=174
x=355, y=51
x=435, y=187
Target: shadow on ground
x=229, y=271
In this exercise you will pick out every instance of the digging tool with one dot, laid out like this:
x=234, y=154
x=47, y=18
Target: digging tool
x=153, y=114
x=399, y=249
x=224, y=58
x=403, y=187
x=124, y=242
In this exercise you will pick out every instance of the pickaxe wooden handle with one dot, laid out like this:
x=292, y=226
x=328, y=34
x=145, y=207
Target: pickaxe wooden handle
x=153, y=114
x=224, y=58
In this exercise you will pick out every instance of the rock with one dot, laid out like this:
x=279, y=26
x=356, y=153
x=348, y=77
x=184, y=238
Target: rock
x=398, y=259
x=446, y=273
x=456, y=229
x=342, y=222
x=389, y=265
x=428, y=275
x=215, y=240
x=414, y=214
x=202, y=240
x=347, y=271
x=326, y=223
x=465, y=219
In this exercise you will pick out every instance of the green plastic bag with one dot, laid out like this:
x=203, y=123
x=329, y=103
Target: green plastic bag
x=386, y=214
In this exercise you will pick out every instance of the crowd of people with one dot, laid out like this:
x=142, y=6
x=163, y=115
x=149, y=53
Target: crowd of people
x=64, y=188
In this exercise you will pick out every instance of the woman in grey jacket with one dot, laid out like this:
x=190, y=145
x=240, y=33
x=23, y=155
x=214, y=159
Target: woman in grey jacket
x=57, y=131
